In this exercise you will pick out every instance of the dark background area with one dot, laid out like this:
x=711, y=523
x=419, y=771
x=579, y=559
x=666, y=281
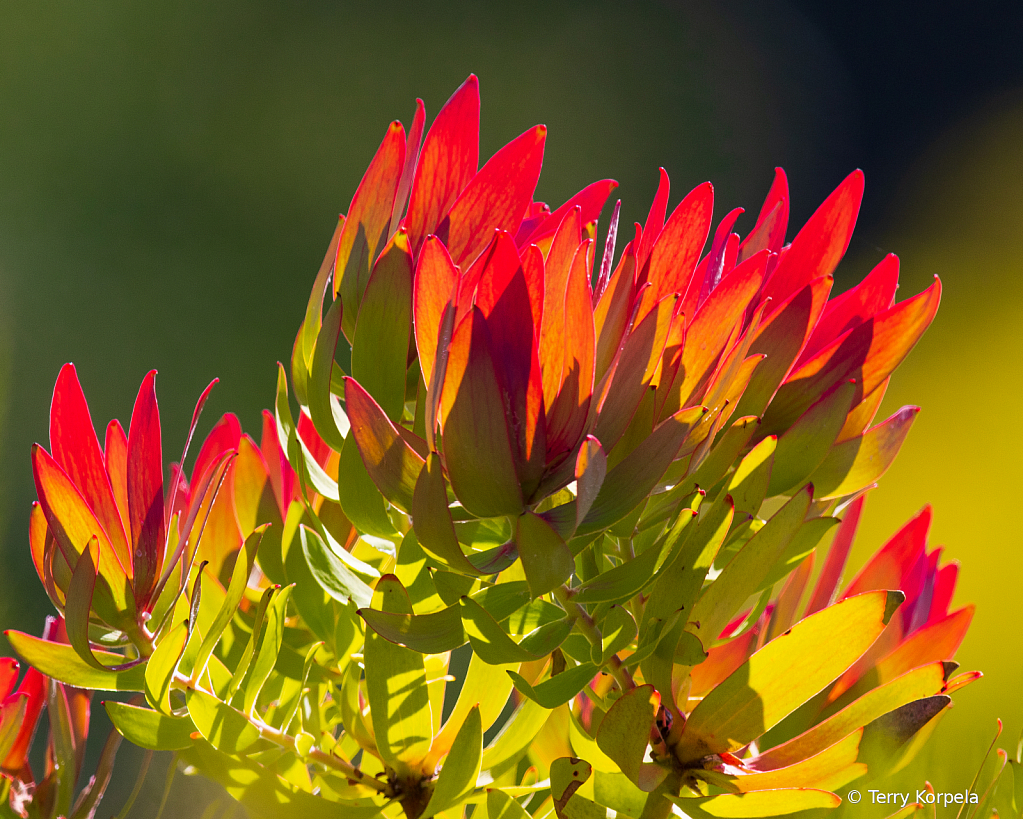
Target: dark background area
x=170, y=173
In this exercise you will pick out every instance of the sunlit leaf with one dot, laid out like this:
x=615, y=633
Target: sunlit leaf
x=150, y=729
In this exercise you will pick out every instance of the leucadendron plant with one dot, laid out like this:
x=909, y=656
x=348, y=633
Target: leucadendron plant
x=532, y=530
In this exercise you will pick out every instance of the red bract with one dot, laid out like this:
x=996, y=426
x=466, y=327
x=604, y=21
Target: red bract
x=99, y=534
x=539, y=369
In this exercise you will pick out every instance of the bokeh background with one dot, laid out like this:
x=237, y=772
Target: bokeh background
x=170, y=174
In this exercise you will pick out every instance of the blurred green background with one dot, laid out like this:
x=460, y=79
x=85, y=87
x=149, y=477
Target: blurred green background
x=170, y=174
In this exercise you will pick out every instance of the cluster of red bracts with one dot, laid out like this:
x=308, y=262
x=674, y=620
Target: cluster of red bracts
x=540, y=367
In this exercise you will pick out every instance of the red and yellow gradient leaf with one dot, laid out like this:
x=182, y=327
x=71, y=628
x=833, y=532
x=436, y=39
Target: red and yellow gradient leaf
x=384, y=327
x=654, y=221
x=769, y=231
x=477, y=445
x=781, y=336
x=709, y=331
x=448, y=161
x=785, y=673
x=590, y=201
x=829, y=769
x=628, y=483
x=254, y=500
x=873, y=295
x=891, y=565
x=8, y=676
x=392, y=464
x=76, y=448
x=145, y=490
x=73, y=525
x=496, y=197
x=856, y=464
x=115, y=453
x=822, y=242
x=412, y=146
x=633, y=370
x=613, y=311
x=369, y=218
x=869, y=352
x=838, y=553
x=566, y=415
x=33, y=691
x=557, y=269
x=503, y=296
x=674, y=255
x=434, y=289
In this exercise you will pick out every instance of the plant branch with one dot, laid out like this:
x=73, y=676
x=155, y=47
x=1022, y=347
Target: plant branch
x=592, y=633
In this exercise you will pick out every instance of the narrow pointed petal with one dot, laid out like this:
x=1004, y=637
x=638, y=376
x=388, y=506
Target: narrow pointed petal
x=76, y=448
x=8, y=676
x=496, y=197
x=831, y=573
x=380, y=346
x=412, y=146
x=654, y=221
x=781, y=336
x=33, y=689
x=73, y=525
x=435, y=286
x=873, y=295
x=115, y=453
x=431, y=518
x=145, y=490
x=477, y=446
x=708, y=332
x=282, y=476
x=369, y=218
x=566, y=416
x=718, y=258
x=557, y=267
x=613, y=311
x=392, y=464
x=857, y=463
x=769, y=231
x=862, y=415
x=590, y=201
x=674, y=255
x=889, y=566
x=821, y=244
x=590, y=471
x=449, y=159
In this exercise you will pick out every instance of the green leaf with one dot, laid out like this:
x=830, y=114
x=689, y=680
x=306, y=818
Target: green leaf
x=431, y=519
x=721, y=457
x=493, y=644
x=461, y=768
x=622, y=582
x=806, y=443
x=748, y=484
x=269, y=649
x=558, y=689
x=484, y=684
x=857, y=463
x=78, y=606
x=426, y=633
x=618, y=793
x=318, y=386
x=62, y=662
x=546, y=559
x=631, y=480
x=744, y=573
x=289, y=708
x=235, y=590
x=390, y=461
x=515, y=737
x=786, y=673
x=223, y=727
x=625, y=730
x=150, y=729
x=162, y=666
x=502, y=599
x=359, y=497
x=502, y=806
x=803, y=542
x=396, y=688
x=12, y=712
x=756, y=803
x=384, y=324
x=265, y=794
x=333, y=574
x=617, y=630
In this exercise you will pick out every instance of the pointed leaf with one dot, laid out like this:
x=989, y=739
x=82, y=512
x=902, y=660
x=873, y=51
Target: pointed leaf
x=62, y=662
x=321, y=370
x=496, y=197
x=546, y=559
x=625, y=729
x=333, y=574
x=785, y=673
x=558, y=689
x=162, y=666
x=461, y=769
x=150, y=729
x=432, y=633
x=224, y=727
x=776, y=802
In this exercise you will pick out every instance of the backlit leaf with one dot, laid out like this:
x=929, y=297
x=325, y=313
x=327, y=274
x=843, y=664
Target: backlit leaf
x=61, y=662
x=461, y=768
x=625, y=729
x=150, y=729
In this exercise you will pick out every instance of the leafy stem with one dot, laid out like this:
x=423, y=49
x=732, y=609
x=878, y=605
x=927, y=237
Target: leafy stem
x=591, y=631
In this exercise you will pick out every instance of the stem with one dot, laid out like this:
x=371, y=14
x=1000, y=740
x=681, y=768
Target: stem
x=592, y=633
x=286, y=741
